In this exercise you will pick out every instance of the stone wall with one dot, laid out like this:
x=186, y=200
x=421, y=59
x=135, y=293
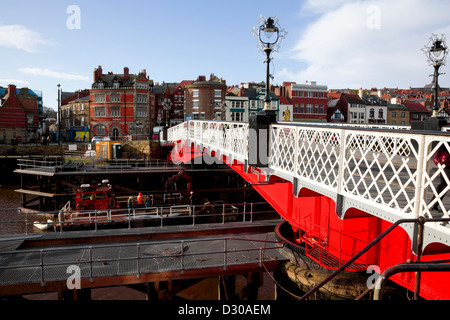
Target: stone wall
x=143, y=149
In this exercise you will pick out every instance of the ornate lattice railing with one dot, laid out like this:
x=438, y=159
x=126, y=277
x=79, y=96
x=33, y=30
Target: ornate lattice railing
x=382, y=170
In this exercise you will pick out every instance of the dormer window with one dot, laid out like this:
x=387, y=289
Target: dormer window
x=101, y=85
x=116, y=85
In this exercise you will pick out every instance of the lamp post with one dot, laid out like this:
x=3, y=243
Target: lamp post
x=436, y=52
x=167, y=105
x=59, y=114
x=269, y=35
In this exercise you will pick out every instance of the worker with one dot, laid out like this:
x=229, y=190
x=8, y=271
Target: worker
x=139, y=200
x=130, y=204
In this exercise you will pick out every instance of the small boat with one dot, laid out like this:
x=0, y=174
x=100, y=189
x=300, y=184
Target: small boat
x=43, y=225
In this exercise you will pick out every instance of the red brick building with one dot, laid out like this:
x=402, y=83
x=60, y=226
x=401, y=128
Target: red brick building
x=309, y=100
x=19, y=115
x=121, y=105
x=204, y=99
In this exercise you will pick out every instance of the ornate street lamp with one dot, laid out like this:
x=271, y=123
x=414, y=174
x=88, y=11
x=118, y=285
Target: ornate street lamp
x=167, y=105
x=269, y=36
x=436, y=51
x=59, y=114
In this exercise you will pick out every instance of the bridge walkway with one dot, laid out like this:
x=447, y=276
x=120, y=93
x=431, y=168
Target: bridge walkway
x=111, y=257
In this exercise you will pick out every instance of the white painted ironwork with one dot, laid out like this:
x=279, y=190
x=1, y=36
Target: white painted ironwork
x=385, y=172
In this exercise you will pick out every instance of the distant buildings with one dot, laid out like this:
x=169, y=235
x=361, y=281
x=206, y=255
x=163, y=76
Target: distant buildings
x=126, y=105
x=248, y=99
x=19, y=115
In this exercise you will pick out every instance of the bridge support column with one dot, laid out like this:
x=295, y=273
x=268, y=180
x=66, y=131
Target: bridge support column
x=258, y=143
x=227, y=287
x=75, y=294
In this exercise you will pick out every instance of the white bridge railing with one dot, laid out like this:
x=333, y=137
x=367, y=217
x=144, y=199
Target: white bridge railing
x=386, y=171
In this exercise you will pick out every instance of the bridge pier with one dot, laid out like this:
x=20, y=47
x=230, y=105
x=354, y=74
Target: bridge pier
x=75, y=295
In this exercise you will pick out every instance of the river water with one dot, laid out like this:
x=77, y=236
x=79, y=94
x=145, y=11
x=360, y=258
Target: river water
x=204, y=290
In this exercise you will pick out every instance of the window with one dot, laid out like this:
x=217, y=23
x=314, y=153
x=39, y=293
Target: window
x=99, y=111
x=380, y=114
x=140, y=85
x=309, y=108
x=296, y=108
x=415, y=116
x=218, y=93
x=141, y=98
x=116, y=85
x=394, y=114
x=372, y=113
x=322, y=109
x=237, y=116
x=196, y=104
x=195, y=93
x=217, y=104
x=302, y=108
x=115, y=111
x=99, y=98
x=100, y=130
x=142, y=112
x=115, y=97
x=253, y=104
x=402, y=114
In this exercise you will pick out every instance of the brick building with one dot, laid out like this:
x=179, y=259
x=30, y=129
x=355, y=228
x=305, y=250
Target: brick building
x=309, y=100
x=204, y=99
x=19, y=115
x=121, y=105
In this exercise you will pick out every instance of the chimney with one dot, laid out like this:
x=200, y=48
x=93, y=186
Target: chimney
x=98, y=73
x=360, y=93
x=125, y=74
x=11, y=90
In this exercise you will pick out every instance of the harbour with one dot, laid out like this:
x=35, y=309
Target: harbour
x=224, y=220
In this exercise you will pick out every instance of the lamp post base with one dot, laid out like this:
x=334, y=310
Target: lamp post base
x=429, y=124
x=258, y=143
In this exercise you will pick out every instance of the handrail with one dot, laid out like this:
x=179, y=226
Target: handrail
x=389, y=172
x=366, y=248
x=93, y=217
x=181, y=254
x=428, y=266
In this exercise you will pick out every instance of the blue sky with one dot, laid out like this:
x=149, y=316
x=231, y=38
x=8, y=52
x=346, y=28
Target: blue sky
x=338, y=43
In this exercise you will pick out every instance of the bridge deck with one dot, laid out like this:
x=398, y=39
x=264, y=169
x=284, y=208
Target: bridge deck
x=117, y=257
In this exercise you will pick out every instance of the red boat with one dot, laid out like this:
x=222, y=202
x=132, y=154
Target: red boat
x=96, y=197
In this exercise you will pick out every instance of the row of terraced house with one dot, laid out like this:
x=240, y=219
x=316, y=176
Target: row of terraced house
x=131, y=105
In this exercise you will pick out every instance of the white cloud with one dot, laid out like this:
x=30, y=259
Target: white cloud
x=54, y=74
x=6, y=82
x=368, y=43
x=20, y=37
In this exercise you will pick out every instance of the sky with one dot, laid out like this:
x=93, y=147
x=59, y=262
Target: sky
x=337, y=43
